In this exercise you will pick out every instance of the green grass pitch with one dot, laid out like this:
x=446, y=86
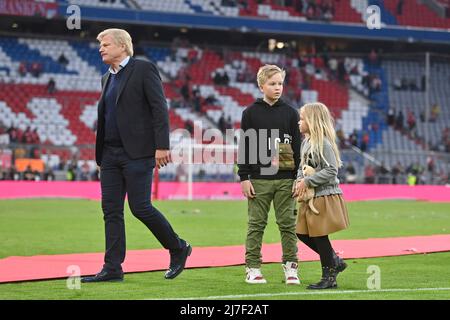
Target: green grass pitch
x=36, y=227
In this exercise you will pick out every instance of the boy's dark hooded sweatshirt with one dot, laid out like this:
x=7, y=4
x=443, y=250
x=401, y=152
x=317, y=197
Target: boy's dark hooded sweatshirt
x=261, y=115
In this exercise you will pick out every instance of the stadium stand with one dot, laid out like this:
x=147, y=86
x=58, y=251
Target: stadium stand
x=51, y=87
x=393, y=12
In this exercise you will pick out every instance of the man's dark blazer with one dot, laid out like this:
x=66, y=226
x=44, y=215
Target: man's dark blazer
x=142, y=114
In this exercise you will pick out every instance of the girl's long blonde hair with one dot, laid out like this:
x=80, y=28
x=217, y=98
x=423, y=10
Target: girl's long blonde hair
x=321, y=126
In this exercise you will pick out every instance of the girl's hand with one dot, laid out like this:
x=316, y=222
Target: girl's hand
x=247, y=189
x=300, y=188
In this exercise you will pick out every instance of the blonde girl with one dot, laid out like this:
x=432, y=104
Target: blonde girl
x=319, y=150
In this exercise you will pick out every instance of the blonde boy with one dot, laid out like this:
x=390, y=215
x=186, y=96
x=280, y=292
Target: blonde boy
x=273, y=120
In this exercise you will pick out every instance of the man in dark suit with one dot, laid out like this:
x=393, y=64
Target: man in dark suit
x=132, y=137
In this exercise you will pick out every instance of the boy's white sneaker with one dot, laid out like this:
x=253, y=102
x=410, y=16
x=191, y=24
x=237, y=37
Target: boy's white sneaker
x=254, y=275
x=291, y=272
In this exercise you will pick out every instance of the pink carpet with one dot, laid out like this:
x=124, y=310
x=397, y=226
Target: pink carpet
x=14, y=269
x=211, y=190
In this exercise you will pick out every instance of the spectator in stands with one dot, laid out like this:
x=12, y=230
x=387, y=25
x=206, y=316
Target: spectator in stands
x=22, y=69
x=399, y=121
x=333, y=65
x=48, y=175
x=21, y=136
x=391, y=116
x=181, y=174
x=327, y=10
x=12, y=134
x=342, y=73
x=412, y=179
x=243, y=4
x=375, y=84
x=369, y=174
x=430, y=165
x=399, y=8
x=84, y=172
x=51, y=86
x=311, y=10
x=298, y=6
x=445, y=145
x=36, y=69
x=353, y=138
x=217, y=79
x=247, y=74
x=12, y=174
x=35, y=137
x=411, y=120
x=228, y=3
x=62, y=59
x=221, y=78
x=341, y=138
x=373, y=57
x=397, y=84
x=95, y=176
x=196, y=99
x=414, y=168
x=192, y=55
x=397, y=170
x=229, y=123
x=413, y=85
x=71, y=173
x=62, y=164
x=422, y=116
x=201, y=174
x=27, y=136
x=189, y=126
x=35, y=152
x=222, y=123
x=211, y=99
x=381, y=173
x=185, y=91
x=28, y=174
x=306, y=79
x=350, y=174
x=435, y=112
x=374, y=126
x=364, y=142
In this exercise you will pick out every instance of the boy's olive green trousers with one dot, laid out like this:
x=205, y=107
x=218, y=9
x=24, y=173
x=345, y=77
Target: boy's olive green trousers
x=280, y=192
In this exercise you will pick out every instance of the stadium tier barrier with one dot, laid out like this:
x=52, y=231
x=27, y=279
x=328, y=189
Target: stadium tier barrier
x=213, y=191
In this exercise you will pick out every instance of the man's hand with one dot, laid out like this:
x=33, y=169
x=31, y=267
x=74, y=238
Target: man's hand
x=162, y=158
x=247, y=189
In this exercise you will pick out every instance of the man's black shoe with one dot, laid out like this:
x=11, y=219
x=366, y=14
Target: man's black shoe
x=178, y=261
x=103, y=276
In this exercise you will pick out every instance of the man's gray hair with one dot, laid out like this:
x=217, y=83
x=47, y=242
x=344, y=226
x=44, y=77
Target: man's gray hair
x=120, y=36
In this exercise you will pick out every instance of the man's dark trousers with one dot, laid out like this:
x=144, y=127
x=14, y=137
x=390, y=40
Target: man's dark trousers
x=120, y=175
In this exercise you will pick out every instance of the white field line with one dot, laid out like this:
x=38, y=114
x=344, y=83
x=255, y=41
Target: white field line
x=331, y=292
